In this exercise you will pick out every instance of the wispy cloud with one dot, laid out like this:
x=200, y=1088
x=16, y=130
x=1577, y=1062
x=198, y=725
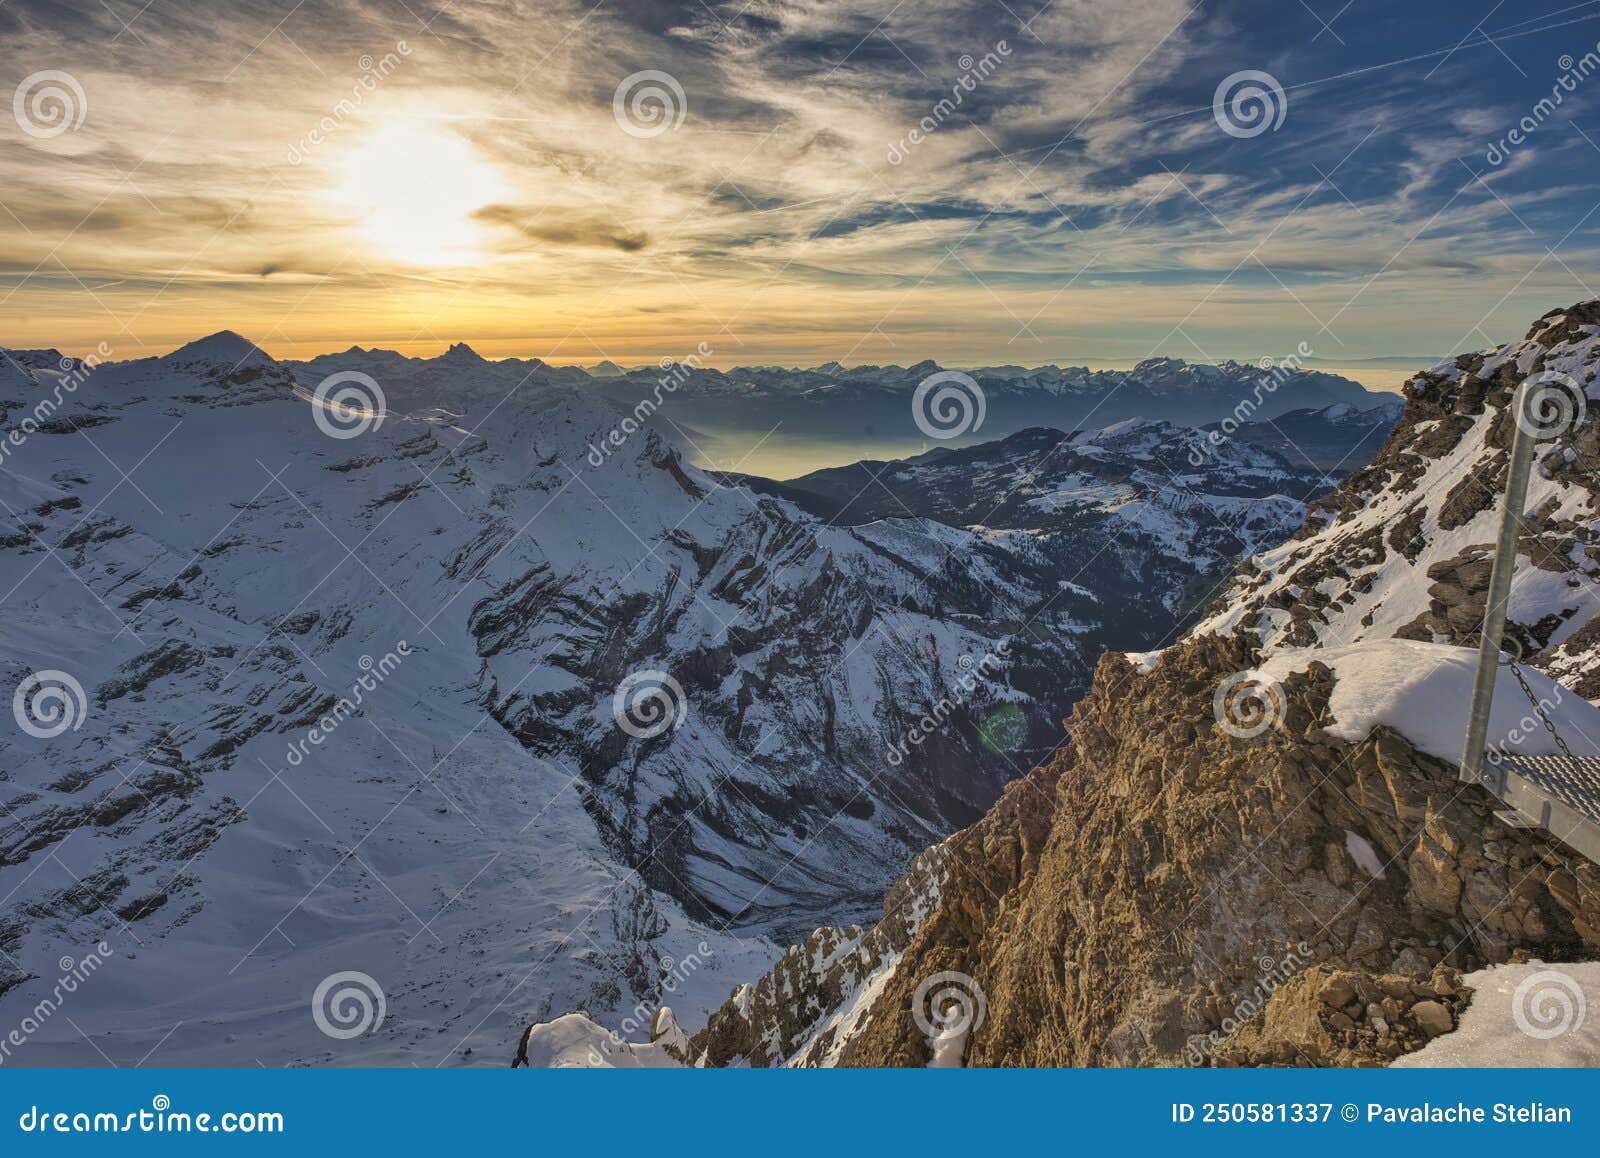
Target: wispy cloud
x=847, y=181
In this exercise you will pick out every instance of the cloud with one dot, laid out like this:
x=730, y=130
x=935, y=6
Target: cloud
x=536, y=226
x=1081, y=178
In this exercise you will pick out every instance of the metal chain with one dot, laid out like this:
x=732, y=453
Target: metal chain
x=1538, y=709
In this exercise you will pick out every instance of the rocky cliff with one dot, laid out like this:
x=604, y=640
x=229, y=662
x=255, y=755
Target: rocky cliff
x=1172, y=888
x=1402, y=548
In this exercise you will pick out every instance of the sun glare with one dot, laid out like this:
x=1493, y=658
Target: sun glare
x=415, y=188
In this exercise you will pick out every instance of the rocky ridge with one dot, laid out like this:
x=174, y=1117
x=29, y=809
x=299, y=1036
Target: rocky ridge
x=1165, y=892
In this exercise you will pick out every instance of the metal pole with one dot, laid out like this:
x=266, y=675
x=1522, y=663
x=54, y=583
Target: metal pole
x=1494, y=611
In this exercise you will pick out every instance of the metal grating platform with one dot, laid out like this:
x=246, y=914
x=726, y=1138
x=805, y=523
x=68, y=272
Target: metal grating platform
x=1557, y=793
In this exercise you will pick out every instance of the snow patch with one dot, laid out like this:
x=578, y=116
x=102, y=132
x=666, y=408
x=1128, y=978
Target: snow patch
x=1422, y=690
x=1523, y=1015
x=1362, y=852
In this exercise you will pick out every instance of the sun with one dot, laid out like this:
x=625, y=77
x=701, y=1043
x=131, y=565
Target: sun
x=414, y=189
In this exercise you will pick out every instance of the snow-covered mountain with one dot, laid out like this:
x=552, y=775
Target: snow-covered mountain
x=1139, y=527
x=872, y=403
x=1402, y=549
x=362, y=667
x=1254, y=847
x=1337, y=439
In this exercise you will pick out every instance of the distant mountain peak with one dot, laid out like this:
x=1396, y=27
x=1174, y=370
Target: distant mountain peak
x=461, y=352
x=224, y=346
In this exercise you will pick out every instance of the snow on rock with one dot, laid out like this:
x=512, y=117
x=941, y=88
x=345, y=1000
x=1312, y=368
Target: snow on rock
x=1402, y=549
x=1422, y=690
x=481, y=836
x=572, y=1041
x=224, y=348
x=1523, y=1016
x=1362, y=852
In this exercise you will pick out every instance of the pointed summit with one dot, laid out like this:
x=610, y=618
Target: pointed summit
x=463, y=353
x=606, y=369
x=221, y=348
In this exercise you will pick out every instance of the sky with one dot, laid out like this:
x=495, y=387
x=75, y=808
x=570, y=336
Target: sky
x=796, y=181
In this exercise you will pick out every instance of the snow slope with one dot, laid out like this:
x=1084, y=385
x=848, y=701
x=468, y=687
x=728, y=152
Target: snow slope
x=1422, y=690
x=348, y=704
x=1402, y=549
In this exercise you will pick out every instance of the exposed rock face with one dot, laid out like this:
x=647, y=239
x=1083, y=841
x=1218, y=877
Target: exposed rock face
x=1329, y=1015
x=1164, y=893
x=804, y=1009
x=1402, y=548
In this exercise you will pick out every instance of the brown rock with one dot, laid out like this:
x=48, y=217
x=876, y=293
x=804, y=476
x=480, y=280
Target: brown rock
x=1433, y=1018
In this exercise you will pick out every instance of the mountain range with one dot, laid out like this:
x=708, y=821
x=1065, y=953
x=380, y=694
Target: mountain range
x=1253, y=847
x=365, y=665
